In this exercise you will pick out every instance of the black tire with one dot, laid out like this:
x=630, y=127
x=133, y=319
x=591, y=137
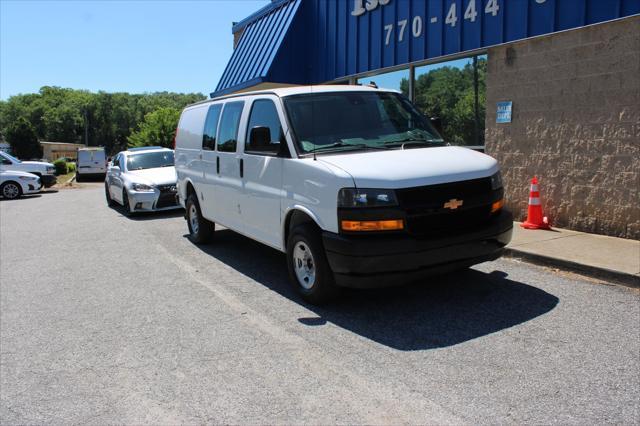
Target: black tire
x=200, y=229
x=11, y=190
x=78, y=177
x=322, y=287
x=110, y=201
x=125, y=204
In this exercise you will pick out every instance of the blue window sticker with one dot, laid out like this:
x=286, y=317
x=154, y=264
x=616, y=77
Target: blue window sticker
x=504, y=112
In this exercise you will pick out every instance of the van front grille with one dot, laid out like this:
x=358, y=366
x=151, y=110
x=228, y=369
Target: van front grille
x=428, y=216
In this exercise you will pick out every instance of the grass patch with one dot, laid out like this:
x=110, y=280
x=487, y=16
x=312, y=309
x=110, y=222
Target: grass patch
x=66, y=178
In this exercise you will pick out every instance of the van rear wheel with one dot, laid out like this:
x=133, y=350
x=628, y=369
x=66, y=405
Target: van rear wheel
x=200, y=229
x=308, y=267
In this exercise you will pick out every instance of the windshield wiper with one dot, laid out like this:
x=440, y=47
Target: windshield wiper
x=415, y=141
x=341, y=144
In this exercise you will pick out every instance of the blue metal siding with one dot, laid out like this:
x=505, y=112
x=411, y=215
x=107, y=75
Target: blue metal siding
x=331, y=43
x=253, y=57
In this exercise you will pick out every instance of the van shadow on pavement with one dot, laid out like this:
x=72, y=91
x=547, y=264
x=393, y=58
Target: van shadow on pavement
x=445, y=311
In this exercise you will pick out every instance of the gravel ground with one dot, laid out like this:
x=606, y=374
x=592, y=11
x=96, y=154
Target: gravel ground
x=106, y=319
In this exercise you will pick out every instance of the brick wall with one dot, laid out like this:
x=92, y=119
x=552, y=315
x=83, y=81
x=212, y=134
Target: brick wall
x=575, y=124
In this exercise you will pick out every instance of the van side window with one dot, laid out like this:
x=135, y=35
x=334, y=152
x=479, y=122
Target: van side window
x=211, y=128
x=264, y=114
x=228, y=132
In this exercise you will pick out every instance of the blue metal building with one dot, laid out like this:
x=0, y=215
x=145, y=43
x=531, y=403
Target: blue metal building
x=318, y=41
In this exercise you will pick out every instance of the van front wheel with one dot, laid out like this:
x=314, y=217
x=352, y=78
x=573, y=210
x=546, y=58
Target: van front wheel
x=200, y=229
x=308, y=267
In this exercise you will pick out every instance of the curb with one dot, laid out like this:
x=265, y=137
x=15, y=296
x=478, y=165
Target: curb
x=617, y=277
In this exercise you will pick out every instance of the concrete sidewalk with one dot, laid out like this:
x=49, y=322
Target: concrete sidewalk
x=614, y=259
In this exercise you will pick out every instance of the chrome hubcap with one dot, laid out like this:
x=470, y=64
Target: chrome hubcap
x=10, y=191
x=193, y=219
x=304, y=265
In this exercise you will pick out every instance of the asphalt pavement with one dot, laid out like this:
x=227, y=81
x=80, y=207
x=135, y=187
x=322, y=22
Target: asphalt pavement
x=109, y=319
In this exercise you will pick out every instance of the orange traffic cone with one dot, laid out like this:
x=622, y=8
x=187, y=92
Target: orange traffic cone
x=535, y=220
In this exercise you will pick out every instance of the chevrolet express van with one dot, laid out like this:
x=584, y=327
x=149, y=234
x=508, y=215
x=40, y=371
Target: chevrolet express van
x=353, y=183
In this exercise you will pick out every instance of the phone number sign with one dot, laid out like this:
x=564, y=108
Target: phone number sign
x=355, y=36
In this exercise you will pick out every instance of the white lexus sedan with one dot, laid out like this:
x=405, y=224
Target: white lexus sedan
x=142, y=179
x=13, y=184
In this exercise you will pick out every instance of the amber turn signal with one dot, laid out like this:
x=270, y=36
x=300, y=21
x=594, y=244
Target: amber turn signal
x=497, y=206
x=372, y=225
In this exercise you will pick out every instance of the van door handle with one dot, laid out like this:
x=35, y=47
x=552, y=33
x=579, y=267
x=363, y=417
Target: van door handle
x=218, y=165
x=241, y=167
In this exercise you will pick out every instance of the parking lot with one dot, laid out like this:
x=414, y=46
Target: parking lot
x=109, y=319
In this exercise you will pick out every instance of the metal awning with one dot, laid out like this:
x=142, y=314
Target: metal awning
x=261, y=40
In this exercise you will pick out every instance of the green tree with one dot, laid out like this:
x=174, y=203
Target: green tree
x=23, y=139
x=157, y=129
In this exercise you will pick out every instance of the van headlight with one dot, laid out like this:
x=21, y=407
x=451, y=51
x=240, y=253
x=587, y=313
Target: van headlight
x=366, y=197
x=141, y=187
x=496, y=181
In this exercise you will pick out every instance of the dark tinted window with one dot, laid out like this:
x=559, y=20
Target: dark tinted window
x=357, y=120
x=264, y=114
x=211, y=128
x=228, y=133
x=150, y=160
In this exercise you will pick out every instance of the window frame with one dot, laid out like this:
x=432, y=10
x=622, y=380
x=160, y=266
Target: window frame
x=247, y=138
x=215, y=136
x=237, y=131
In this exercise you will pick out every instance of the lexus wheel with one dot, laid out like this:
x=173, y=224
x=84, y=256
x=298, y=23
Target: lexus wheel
x=10, y=190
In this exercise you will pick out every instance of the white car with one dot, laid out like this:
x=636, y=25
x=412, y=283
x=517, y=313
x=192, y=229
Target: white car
x=39, y=168
x=352, y=183
x=142, y=179
x=91, y=162
x=14, y=184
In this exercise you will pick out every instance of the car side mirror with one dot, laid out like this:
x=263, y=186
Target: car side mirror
x=260, y=137
x=436, y=122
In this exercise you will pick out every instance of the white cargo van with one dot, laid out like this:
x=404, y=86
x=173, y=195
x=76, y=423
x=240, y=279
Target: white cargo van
x=352, y=183
x=91, y=162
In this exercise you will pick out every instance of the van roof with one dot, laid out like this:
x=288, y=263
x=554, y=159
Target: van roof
x=145, y=149
x=299, y=90
x=91, y=148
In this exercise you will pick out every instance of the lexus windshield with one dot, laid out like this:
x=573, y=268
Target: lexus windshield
x=345, y=121
x=150, y=160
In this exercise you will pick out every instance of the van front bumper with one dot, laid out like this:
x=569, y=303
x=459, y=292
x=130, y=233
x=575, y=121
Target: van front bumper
x=366, y=261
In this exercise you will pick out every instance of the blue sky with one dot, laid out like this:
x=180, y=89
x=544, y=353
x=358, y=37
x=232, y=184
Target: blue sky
x=132, y=46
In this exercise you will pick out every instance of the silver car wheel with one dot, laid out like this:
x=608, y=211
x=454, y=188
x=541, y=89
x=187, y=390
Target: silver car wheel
x=10, y=191
x=304, y=265
x=194, y=220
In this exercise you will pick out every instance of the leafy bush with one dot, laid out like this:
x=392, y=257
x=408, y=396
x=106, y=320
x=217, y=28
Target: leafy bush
x=61, y=167
x=71, y=167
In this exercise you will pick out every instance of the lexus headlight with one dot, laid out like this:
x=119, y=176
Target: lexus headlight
x=141, y=187
x=51, y=169
x=496, y=181
x=28, y=177
x=366, y=197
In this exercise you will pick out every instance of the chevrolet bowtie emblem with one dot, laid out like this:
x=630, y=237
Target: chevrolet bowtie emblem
x=453, y=204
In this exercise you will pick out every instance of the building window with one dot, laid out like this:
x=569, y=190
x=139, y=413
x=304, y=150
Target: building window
x=454, y=91
x=396, y=80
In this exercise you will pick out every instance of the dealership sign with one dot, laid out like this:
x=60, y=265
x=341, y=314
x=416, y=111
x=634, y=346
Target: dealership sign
x=315, y=41
x=351, y=37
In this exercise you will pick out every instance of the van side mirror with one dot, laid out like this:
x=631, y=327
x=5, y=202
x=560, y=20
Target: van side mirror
x=283, y=149
x=436, y=122
x=260, y=138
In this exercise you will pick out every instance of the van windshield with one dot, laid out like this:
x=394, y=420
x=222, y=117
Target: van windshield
x=150, y=160
x=342, y=121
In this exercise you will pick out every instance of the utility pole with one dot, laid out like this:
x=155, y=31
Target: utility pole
x=86, y=128
x=476, y=106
